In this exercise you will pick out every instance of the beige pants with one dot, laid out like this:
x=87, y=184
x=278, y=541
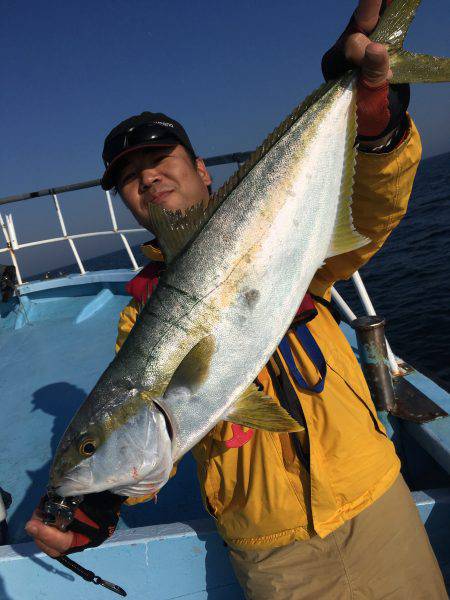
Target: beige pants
x=383, y=552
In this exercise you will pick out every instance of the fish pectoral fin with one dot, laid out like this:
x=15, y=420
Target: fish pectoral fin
x=194, y=368
x=256, y=410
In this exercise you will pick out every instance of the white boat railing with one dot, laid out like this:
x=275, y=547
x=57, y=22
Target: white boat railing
x=368, y=306
x=12, y=244
x=9, y=231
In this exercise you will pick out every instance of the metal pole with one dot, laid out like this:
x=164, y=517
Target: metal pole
x=11, y=231
x=112, y=214
x=130, y=252
x=68, y=238
x=370, y=310
x=372, y=353
x=124, y=239
x=224, y=159
x=212, y=161
x=343, y=305
x=362, y=293
x=7, y=233
x=49, y=191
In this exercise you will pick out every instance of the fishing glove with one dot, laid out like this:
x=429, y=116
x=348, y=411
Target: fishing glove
x=381, y=109
x=95, y=519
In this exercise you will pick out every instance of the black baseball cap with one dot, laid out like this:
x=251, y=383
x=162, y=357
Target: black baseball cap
x=140, y=131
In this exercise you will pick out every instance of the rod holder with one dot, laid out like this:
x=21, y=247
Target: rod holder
x=374, y=361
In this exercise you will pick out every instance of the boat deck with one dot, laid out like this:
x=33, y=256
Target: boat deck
x=55, y=341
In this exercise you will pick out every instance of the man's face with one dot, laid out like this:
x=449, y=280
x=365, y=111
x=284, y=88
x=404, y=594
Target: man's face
x=163, y=176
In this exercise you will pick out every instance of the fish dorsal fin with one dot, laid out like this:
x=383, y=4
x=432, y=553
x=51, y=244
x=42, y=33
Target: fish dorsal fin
x=407, y=67
x=254, y=409
x=245, y=168
x=345, y=237
x=194, y=368
x=174, y=230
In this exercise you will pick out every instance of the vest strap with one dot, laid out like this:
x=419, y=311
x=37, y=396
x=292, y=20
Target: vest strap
x=312, y=350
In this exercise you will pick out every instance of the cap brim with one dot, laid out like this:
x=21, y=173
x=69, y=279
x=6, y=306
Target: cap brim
x=107, y=181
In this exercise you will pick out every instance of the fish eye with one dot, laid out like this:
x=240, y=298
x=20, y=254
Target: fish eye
x=87, y=447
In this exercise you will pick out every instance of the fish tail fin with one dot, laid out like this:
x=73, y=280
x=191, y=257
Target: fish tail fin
x=407, y=67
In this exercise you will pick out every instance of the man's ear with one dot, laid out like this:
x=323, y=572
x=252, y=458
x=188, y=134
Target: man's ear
x=203, y=171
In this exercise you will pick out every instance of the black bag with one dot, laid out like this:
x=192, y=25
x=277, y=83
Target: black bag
x=7, y=281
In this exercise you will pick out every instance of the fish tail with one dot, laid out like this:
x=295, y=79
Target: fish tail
x=407, y=67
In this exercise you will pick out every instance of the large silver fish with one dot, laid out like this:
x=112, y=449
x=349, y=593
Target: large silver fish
x=237, y=273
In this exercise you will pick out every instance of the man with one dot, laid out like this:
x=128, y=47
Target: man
x=324, y=514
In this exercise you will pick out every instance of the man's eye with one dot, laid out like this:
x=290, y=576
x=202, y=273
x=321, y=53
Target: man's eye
x=127, y=177
x=155, y=159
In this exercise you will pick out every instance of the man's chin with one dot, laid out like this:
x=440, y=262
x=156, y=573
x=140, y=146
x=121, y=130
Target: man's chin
x=172, y=205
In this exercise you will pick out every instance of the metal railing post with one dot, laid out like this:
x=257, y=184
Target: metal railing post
x=342, y=305
x=114, y=224
x=68, y=238
x=393, y=365
x=370, y=310
x=11, y=241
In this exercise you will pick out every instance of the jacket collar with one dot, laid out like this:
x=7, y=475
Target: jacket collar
x=152, y=251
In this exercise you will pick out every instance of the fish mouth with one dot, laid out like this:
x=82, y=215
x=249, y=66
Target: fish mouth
x=76, y=481
x=80, y=481
x=72, y=486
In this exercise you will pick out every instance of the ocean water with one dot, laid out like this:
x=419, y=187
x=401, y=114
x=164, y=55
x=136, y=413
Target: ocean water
x=408, y=279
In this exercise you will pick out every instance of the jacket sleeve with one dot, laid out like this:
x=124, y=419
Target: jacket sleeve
x=382, y=188
x=127, y=320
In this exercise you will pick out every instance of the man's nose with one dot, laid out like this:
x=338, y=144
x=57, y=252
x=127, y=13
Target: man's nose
x=148, y=177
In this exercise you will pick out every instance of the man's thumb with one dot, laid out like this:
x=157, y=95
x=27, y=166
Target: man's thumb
x=375, y=65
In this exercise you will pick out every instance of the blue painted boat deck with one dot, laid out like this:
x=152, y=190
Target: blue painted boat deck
x=55, y=340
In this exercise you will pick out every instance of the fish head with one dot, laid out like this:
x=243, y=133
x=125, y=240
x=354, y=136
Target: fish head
x=127, y=451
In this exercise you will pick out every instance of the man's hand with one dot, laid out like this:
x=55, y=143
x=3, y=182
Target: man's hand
x=94, y=521
x=381, y=108
x=49, y=539
x=372, y=58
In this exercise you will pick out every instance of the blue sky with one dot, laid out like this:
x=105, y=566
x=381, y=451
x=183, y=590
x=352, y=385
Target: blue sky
x=229, y=71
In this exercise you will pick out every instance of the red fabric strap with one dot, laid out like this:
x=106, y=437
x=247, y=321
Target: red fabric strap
x=78, y=538
x=143, y=285
x=372, y=108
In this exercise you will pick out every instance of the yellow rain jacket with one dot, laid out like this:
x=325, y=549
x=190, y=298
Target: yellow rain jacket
x=260, y=494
